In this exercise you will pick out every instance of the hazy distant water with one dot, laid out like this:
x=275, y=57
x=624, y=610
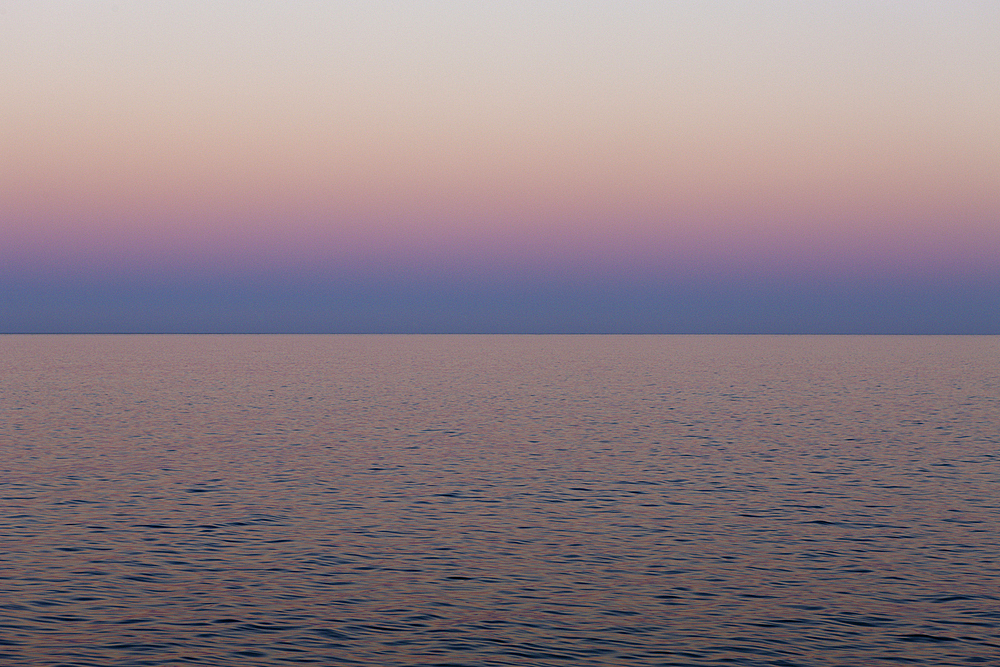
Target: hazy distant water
x=499, y=500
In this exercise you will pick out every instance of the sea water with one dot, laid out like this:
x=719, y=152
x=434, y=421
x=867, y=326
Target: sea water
x=499, y=500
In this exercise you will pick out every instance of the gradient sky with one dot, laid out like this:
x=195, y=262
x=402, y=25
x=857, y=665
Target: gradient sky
x=547, y=166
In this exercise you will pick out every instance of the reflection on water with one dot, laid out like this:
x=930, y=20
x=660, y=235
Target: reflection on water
x=499, y=500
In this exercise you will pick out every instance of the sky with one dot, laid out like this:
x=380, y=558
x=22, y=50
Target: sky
x=546, y=166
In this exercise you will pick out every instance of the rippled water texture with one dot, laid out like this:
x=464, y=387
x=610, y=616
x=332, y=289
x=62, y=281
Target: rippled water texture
x=499, y=500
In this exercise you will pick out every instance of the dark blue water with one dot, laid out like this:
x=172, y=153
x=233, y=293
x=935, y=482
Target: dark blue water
x=499, y=500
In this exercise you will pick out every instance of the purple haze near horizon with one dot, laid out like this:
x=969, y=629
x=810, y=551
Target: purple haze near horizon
x=696, y=167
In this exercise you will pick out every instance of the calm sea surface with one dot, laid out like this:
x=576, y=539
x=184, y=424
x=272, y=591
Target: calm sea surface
x=499, y=500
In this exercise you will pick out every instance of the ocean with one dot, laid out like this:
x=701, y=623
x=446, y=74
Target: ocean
x=468, y=500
